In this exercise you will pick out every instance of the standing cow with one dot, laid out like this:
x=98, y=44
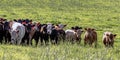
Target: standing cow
x=1, y=32
x=7, y=35
x=17, y=31
x=53, y=33
x=44, y=36
x=108, y=39
x=61, y=32
x=90, y=36
x=74, y=34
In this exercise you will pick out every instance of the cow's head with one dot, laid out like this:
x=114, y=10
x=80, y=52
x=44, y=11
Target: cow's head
x=14, y=35
x=43, y=28
x=79, y=32
x=88, y=29
x=49, y=28
x=110, y=35
x=61, y=26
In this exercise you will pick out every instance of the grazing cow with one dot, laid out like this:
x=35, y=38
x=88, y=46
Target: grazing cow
x=17, y=31
x=74, y=35
x=90, y=36
x=108, y=39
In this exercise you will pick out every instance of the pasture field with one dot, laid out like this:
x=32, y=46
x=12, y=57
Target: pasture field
x=103, y=15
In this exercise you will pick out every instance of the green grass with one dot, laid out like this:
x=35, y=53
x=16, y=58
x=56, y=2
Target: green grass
x=103, y=15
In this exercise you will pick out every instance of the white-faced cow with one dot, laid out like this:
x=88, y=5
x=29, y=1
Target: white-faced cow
x=17, y=31
x=108, y=39
x=53, y=33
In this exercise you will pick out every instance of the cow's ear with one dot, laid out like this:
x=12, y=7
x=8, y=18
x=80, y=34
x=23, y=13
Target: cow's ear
x=107, y=34
x=114, y=35
x=65, y=25
x=17, y=31
x=80, y=27
x=82, y=31
x=93, y=29
x=52, y=24
x=72, y=28
x=85, y=28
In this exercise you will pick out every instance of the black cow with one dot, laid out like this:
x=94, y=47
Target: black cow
x=6, y=32
x=1, y=32
x=44, y=36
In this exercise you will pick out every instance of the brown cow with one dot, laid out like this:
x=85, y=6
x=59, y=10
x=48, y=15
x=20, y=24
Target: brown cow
x=108, y=39
x=90, y=36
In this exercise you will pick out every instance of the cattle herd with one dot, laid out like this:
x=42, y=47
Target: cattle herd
x=23, y=31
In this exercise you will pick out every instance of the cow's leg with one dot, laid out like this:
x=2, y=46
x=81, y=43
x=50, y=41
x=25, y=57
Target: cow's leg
x=27, y=41
x=52, y=39
x=111, y=43
x=1, y=38
x=6, y=40
x=85, y=42
x=78, y=41
x=23, y=41
x=41, y=40
x=46, y=38
x=13, y=41
x=95, y=43
x=72, y=41
x=106, y=43
x=8, y=37
x=5, y=35
x=56, y=40
x=90, y=43
x=36, y=40
x=30, y=40
x=63, y=36
x=27, y=38
x=19, y=41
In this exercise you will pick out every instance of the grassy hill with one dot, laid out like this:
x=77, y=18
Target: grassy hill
x=103, y=15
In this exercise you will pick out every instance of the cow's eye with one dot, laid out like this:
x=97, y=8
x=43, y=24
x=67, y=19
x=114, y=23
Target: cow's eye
x=17, y=31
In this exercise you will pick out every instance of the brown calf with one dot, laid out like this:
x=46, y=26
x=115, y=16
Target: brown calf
x=90, y=36
x=108, y=39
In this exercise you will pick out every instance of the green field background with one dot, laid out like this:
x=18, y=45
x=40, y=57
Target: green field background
x=102, y=15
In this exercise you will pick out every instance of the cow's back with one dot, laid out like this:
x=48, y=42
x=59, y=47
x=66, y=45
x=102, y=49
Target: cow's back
x=70, y=34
